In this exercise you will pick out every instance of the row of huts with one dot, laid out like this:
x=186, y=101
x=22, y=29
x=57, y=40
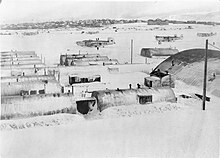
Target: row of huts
x=31, y=87
x=85, y=60
x=24, y=73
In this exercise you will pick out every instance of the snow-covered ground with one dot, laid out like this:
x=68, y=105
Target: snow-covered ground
x=162, y=130
x=179, y=129
x=57, y=42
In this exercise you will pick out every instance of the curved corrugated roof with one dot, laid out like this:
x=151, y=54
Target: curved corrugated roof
x=184, y=58
x=149, y=52
x=108, y=98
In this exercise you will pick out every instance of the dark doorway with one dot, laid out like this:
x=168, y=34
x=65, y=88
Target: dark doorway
x=85, y=106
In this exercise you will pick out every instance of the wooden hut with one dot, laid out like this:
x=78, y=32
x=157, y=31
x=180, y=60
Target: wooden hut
x=152, y=81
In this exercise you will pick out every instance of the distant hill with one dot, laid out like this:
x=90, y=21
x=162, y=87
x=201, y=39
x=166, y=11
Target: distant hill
x=211, y=16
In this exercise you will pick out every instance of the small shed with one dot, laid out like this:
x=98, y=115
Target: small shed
x=152, y=81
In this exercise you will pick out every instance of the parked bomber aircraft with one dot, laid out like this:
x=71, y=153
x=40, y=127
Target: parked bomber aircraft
x=96, y=43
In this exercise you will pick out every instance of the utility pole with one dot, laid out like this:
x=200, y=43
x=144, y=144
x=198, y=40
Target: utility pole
x=131, y=51
x=11, y=63
x=170, y=80
x=205, y=76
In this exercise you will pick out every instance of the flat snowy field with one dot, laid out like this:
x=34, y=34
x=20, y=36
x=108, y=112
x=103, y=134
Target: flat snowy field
x=57, y=42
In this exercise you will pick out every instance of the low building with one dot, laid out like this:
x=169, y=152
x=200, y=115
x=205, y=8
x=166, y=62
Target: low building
x=158, y=22
x=110, y=98
x=85, y=60
x=20, y=59
x=11, y=79
x=36, y=105
x=65, y=57
x=159, y=78
x=150, y=52
x=30, y=88
x=154, y=81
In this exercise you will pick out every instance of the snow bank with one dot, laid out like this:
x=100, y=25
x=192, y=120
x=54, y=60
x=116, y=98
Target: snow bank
x=40, y=121
x=181, y=133
x=158, y=130
x=138, y=110
x=110, y=113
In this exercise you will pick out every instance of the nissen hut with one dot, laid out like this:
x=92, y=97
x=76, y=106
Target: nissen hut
x=30, y=88
x=150, y=52
x=109, y=98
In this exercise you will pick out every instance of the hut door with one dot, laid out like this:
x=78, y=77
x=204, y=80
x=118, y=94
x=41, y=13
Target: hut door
x=150, y=84
x=73, y=80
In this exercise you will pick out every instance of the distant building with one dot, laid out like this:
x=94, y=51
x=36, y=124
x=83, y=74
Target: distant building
x=177, y=22
x=30, y=87
x=18, y=59
x=86, y=59
x=158, y=22
x=150, y=52
x=191, y=22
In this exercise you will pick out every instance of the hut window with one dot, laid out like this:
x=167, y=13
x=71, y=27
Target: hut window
x=33, y=92
x=90, y=79
x=41, y=91
x=73, y=80
x=98, y=79
x=24, y=93
x=84, y=80
x=145, y=99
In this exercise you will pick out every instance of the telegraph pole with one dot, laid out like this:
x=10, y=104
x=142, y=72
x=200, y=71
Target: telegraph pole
x=205, y=76
x=131, y=51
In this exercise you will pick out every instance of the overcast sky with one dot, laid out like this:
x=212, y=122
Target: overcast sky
x=18, y=11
